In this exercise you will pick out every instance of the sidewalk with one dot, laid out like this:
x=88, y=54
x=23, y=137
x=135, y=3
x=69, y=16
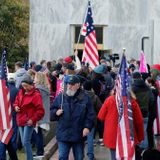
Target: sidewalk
x=101, y=153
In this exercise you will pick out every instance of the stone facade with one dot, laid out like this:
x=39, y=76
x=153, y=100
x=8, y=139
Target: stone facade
x=126, y=22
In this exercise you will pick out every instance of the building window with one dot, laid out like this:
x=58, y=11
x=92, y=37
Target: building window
x=99, y=35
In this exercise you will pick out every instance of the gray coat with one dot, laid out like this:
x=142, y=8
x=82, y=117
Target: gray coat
x=45, y=93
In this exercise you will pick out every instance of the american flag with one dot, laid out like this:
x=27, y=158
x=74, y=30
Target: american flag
x=125, y=137
x=5, y=105
x=90, y=52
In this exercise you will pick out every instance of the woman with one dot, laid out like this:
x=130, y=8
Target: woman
x=109, y=114
x=29, y=108
x=42, y=84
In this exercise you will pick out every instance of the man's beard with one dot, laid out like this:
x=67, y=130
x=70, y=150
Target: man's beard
x=70, y=92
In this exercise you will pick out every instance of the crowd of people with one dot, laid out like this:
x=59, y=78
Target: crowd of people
x=82, y=101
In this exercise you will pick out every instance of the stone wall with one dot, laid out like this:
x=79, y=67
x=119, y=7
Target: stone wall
x=126, y=21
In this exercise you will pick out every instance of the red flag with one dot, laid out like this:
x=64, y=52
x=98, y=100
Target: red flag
x=5, y=106
x=90, y=52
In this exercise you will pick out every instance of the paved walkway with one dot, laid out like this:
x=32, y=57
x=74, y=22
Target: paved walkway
x=101, y=153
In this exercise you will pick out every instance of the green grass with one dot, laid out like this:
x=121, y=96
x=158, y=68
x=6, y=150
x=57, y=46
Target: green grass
x=21, y=153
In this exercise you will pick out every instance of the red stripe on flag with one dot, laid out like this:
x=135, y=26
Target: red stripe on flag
x=6, y=135
x=125, y=146
x=6, y=104
x=95, y=54
x=1, y=124
x=130, y=145
x=90, y=52
x=92, y=38
x=5, y=109
x=89, y=57
x=119, y=138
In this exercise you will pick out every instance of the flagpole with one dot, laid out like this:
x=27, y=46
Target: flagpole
x=81, y=30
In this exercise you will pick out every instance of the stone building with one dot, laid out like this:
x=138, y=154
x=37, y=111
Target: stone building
x=55, y=25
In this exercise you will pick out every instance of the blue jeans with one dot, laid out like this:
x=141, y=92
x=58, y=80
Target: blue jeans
x=77, y=148
x=113, y=154
x=38, y=136
x=2, y=151
x=144, y=144
x=11, y=151
x=15, y=133
x=26, y=134
x=90, y=139
x=11, y=146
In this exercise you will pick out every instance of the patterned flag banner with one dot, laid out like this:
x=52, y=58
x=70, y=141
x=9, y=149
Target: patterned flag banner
x=143, y=66
x=125, y=137
x=90, y=52
x=5, y=106
x=60, y=86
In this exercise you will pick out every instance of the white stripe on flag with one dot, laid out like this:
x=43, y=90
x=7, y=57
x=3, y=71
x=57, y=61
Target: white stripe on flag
x=2, y=107
x=124, y=136
x=91, y=54
x=93, y=47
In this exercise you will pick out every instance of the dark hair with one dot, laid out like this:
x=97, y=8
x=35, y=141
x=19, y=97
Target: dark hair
x=19, y=64
x=49, y=65
x=151, y=81
x=136, y=75
x=42, y=61
x=150, y=154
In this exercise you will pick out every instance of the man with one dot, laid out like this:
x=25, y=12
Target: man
x=19, y=73
x=32, y=65
x=145, y=100
x=75, y=114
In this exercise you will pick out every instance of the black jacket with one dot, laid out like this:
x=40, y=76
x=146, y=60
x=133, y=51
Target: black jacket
x=144, y=96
